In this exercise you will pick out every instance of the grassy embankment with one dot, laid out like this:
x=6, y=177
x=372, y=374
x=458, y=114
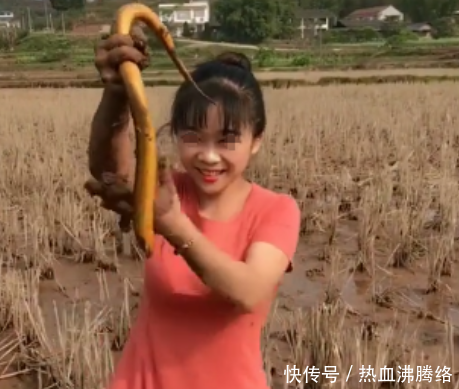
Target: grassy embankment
x=60, y=61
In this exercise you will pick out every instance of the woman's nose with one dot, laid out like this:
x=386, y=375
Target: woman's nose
x=209, y=155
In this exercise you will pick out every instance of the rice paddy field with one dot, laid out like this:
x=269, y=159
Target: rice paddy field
x=375, y=288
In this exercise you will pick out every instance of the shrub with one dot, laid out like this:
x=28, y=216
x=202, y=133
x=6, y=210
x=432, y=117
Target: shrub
x=265, y=58
x=351, y=36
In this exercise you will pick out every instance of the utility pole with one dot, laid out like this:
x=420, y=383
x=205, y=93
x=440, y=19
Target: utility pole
x=63, y=22
x=302, y=28
x=29, y=19
x=51, y=22
x=45, y=3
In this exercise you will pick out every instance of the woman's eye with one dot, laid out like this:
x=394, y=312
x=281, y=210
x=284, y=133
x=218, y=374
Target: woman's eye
x=190, y=137
x=229, y=138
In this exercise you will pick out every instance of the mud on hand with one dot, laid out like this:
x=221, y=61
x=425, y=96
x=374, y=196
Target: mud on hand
x=117, y=195
x=115, y=49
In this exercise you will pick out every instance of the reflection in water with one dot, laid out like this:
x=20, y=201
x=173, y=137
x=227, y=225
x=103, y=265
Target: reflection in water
x=304, y=292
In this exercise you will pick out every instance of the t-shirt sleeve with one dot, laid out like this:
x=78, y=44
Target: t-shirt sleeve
x=280, y=226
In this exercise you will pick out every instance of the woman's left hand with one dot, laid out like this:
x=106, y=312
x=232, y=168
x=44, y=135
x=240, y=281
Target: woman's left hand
x=167, y=201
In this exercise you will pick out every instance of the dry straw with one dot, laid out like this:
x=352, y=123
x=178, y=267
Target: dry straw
x=374, y=170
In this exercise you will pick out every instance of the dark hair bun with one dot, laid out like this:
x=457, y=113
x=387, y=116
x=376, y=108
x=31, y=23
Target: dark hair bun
x=233, y=58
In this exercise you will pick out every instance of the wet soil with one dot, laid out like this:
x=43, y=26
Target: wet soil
x=375, y=299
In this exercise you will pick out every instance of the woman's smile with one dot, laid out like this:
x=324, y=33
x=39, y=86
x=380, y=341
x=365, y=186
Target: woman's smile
x=210, y=176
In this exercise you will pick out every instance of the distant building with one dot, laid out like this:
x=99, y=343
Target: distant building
x=195, y=13
x=373, y=18
x=382, y=13
x=6, y=15
x=7, y=20
x=313, y=20
x=423, y=30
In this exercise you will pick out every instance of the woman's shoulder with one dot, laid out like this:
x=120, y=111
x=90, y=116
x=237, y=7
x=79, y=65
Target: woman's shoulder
x=277, y=220
x=268, y=202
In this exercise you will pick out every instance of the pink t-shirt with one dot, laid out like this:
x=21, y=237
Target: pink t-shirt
x=186, y=335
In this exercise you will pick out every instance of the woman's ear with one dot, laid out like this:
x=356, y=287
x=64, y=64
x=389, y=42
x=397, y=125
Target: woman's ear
x=256, y=144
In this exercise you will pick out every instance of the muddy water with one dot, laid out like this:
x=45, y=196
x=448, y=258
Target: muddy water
x=76, y=285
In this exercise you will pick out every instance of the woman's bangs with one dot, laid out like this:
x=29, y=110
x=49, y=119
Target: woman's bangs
x=190, y=110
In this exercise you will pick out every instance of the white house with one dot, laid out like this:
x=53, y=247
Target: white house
x=7, y=20
x=382, y=13
x=6, y=15
x=315, y=20
x=195, y=13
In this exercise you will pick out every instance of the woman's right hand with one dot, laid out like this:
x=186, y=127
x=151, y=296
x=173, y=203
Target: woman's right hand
x=112, y=188
x=115, y=49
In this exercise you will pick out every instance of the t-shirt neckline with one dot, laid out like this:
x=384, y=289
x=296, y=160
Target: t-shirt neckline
x=234, y=218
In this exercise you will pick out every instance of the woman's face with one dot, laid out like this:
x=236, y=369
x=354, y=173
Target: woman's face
x=215, y=157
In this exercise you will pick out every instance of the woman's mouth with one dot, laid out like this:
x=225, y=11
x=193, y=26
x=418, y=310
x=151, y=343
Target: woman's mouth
x=210, y=176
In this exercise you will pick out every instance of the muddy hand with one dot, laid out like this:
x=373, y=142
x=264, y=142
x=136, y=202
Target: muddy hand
x=111, y=52
x=116, y=196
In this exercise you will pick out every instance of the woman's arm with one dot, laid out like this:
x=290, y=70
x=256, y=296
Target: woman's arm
x=110, y=148
x=248, y=282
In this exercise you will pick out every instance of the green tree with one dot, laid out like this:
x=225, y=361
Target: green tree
x=428, y=10
x=332, y=5
x=252, y=21
x=65, y=5
x=444, y=27
x=285, y=21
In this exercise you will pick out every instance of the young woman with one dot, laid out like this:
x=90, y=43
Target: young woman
x=223, y=242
